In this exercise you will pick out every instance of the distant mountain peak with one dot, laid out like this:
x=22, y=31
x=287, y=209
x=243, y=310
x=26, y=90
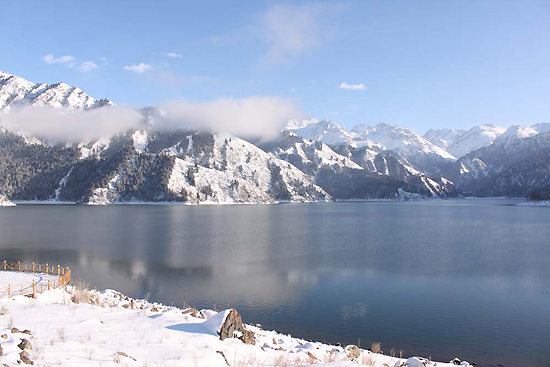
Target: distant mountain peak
x=17, y=91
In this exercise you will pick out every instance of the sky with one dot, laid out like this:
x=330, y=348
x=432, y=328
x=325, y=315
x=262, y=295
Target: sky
x=419, y=64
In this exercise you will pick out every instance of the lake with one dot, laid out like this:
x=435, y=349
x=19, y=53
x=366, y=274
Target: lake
x=456, y=278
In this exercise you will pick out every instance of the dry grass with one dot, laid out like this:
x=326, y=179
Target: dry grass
x=82, y=293
x=375, y=348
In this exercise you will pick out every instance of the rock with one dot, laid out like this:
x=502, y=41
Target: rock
x=1, y=351
x=233, y=326
x=25, y=345
x=154, y=309
x=353, y=351
x=4, y=336
x=248, y=337
x=4, y=311
x=28, y=332
x=14, y=330
x=26, y=358
x=194, y=312
x=456, y=361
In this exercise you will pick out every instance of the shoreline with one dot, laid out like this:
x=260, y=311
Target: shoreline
x=76, y=326
x=177, y=203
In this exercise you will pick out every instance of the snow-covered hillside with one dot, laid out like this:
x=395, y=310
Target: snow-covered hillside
x=421, y=153
x=514, y=135
x=317, y=158
x=326, y=131
x=15, y=91
x=404, y=141
x=236, y=171
x=77, y=327
x=462, y=142
x=511, y=166
x=312, y=160
x=4, y=201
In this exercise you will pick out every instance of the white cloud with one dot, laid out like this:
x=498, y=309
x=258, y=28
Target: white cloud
x=138, y=69
x=255, y=116
x=50, y=59
x=290, y=30
x=87, y=66
x=172, y=55
x=62, y=125
x=352, y=86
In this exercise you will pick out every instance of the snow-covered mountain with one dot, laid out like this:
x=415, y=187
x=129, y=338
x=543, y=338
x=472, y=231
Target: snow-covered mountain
x=325, y=131
x=515, y=134
x=462, y=142
x=421, y=153
x=519, y=150
x=15, y=91
x=311, y=160
x=151, y=166
x=344, y=163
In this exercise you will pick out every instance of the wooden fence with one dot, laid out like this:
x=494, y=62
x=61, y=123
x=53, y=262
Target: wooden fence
x=63, y=278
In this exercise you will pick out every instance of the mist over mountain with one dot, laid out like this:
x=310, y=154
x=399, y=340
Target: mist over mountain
x=59, y=144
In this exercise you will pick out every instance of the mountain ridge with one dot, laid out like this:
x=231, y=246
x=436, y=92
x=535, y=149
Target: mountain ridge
x=311, y=160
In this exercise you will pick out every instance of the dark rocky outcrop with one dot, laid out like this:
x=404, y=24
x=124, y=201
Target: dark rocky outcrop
x=233, y=327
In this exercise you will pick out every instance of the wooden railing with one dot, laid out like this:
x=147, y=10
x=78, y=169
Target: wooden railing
x=63, y=278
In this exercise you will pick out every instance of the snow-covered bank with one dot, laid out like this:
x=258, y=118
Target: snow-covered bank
x=12, y=278
x=4, y=201
x=535, y=203
x=83, y=328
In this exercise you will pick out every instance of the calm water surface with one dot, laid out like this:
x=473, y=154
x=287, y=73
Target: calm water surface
x=462, y=278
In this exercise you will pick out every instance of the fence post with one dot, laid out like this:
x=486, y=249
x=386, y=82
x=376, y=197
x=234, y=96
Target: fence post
x=58, y=270
x=47, y=268
x=33, y=289
x=26, y=267
x=9, y=291
x=48, y=285
x=33, y=267
x=5, y=264
x=19, y=265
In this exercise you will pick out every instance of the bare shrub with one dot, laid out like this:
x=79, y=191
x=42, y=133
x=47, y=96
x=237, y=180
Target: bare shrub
x=82, y=293
x=61, y=334
x=375, y=348
x=368, y=360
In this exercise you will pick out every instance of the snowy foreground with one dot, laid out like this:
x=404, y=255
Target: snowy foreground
x=536, y=203
x=89, y=328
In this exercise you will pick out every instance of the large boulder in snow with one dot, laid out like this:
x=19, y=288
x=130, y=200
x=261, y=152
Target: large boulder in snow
x=229, y=324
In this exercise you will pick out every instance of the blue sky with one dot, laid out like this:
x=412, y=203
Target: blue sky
x=419, y=64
